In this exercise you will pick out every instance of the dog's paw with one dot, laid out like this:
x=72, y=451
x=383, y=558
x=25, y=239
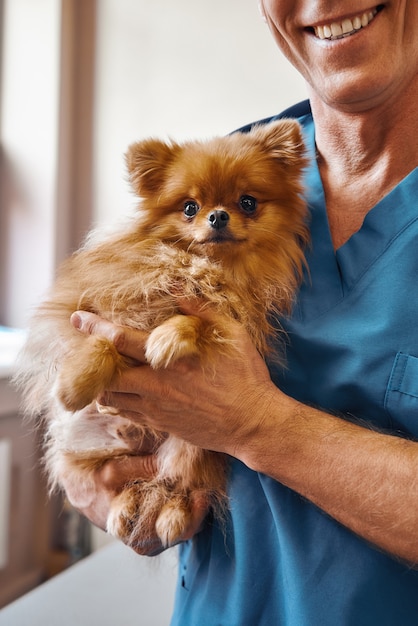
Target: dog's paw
x=85, y=374
x=173, y=521
x=175, y=338
x=72, y=393
x=124, y=514
x=133, y=516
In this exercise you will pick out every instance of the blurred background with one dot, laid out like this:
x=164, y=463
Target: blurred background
x=79, y=81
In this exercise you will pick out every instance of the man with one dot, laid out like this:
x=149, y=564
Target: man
x=323, y=488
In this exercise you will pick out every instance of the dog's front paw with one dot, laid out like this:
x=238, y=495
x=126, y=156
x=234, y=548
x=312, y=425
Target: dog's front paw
x=175, y=338
x=85, y=374
x=73, y=393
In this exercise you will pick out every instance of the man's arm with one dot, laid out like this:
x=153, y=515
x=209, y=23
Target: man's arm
x=366, y=480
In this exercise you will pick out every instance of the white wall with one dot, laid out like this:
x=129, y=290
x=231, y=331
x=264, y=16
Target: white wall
x=184, y=69
x=189, y=68
x=29, y=142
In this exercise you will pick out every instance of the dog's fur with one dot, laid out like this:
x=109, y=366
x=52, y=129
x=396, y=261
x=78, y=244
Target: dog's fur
x=222, y=220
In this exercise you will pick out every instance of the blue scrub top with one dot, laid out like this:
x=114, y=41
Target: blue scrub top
x=353, y=350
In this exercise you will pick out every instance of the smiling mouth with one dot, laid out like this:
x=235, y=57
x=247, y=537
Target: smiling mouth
x=346, y=27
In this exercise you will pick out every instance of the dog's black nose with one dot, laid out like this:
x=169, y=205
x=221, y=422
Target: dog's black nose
x=218, y=219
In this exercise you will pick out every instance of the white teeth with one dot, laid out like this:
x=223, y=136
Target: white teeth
x=337, y=30
x=347, y=26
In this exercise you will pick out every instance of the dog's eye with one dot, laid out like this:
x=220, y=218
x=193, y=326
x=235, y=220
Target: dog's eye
x=248, y=204
x=190, y=208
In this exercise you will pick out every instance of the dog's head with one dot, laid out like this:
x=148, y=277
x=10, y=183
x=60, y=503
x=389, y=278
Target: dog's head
x=225, y=198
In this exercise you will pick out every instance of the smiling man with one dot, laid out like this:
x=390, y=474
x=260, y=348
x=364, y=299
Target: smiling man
x=323, y=487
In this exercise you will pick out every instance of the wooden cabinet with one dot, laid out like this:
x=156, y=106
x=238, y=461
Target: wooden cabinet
x=25, y=510
x=39, y=535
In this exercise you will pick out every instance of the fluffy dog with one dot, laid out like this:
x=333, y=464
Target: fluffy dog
x=222, y=220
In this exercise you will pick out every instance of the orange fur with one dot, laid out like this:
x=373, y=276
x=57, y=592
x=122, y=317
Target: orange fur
x=245, y=262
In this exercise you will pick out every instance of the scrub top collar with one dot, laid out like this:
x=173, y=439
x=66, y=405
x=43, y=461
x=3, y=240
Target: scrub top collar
x=335, y=272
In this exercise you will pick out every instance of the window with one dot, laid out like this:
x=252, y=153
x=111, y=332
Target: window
x=45, y=134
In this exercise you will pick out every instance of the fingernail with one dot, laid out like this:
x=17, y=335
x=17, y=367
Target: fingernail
x=75, y=320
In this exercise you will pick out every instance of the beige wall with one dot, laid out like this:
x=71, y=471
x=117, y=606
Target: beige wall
x=184, y=69
x=189, y=68
x=28, y=143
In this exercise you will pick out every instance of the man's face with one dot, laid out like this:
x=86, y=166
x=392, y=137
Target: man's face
x=352, y=54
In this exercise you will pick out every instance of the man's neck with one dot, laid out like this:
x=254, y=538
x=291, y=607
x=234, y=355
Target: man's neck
x=382, y=139
x=361, y=157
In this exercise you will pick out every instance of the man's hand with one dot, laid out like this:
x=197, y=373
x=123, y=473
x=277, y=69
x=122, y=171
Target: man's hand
x=110, y=479
x=216, y=404
x=239, y=411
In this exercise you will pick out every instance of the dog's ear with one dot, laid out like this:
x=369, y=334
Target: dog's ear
x=147, y=162
x=283, y=139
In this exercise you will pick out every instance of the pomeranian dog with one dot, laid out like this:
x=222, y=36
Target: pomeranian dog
x=222, y=220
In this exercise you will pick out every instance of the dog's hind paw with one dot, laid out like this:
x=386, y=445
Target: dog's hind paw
x=119, y=523
x=173, y=521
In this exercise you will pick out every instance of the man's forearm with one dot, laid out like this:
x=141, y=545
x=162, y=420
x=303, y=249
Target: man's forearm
x=366, y=480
